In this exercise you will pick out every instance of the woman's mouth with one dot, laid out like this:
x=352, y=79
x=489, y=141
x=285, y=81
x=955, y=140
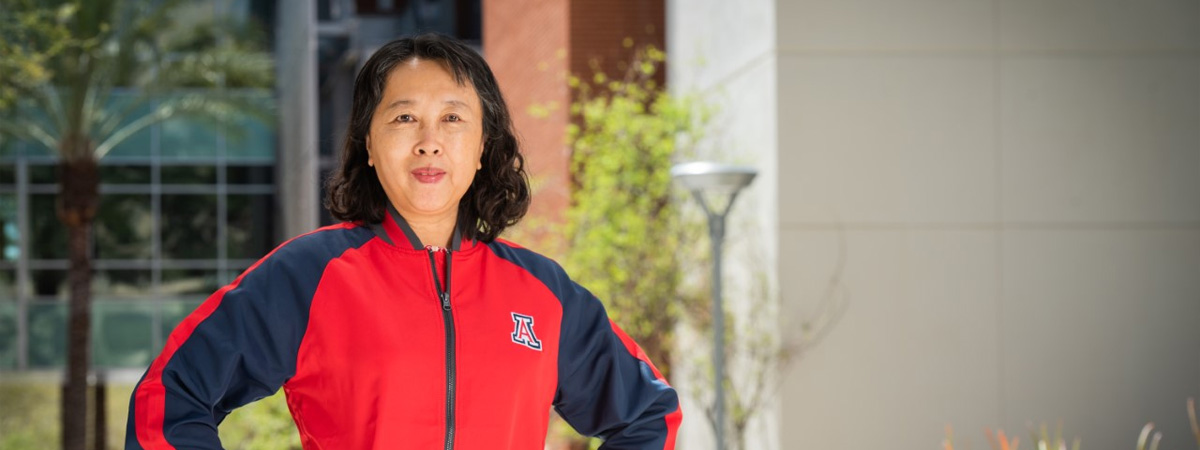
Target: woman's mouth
x=429, y=174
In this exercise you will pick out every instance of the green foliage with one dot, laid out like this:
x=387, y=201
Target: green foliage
x=67, y=57
x=29, y=416
x=263, y=425
x=29, y=39
x=625, y=231
x=29, y=419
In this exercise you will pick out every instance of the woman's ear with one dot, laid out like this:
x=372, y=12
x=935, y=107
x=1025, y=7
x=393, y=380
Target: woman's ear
x=482, y=148
x=370, y=162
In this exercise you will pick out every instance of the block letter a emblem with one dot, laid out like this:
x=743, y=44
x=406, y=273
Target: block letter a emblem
x=523, y=332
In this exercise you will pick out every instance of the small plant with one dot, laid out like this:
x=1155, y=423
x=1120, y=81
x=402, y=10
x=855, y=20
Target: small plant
x=1147, y=440
x=1000, y=441
x=1191, y=407
x=1141, y=442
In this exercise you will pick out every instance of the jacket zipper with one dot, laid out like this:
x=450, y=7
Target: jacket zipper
x=448, y=322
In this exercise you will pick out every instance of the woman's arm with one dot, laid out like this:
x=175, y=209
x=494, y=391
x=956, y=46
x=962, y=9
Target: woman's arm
x=607, y=387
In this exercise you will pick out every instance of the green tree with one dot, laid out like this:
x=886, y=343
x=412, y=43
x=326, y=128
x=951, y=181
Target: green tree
x=624, y=227
x=67, y=58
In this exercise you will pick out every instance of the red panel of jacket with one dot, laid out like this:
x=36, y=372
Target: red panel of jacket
x=385, y=335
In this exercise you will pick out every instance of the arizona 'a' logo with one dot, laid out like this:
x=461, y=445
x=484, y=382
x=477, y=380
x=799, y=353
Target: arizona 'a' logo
x=523, y=332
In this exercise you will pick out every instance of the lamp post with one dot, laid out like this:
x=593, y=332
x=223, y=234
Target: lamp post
x=719, y=180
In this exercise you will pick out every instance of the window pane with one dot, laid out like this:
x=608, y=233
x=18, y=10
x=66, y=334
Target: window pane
x=43, y=174
x=250, y=175
x=189, y=175
x=250, y=224
x=10, y=233
x=124, y=227
x=8, y=336
x=8, y=285
x=254, y=140
x=49, y=235
x=138, y=144
x=125, y=174
x=121, y=283
x=184, y=138
x=47, y=334
x=49, y=283
x=8, y=173
x=179, y=282
x=8, y=147
x=122, y=333
x=189, y=226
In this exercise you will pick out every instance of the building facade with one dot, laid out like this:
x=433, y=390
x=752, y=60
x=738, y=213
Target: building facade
x=186, y=207
x=999, y=199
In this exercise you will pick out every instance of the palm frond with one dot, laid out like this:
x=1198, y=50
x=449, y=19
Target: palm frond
x=23, y=128
x=213, y=108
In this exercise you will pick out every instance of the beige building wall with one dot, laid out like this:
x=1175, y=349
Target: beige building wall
x=1005, y=193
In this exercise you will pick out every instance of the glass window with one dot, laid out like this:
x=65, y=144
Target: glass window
x=122, y=333
x=189, y=174
x=189, y=226
x=49, y=283
x=250, y=175
x=197, y=282
x=250, y=223
x=10, y=232
x=8, y=147
x=124, y=174
x=49, y=235
x=8, y=173
x=8, y=336
x=139, y=144
x=182, y=138
x=251, y=140
x=47, y=334
x=8, y=285
x=121, y=283
x=124, y=227
x=43, y=174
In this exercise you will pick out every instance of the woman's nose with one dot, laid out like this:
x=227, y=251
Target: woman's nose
x=429, y=143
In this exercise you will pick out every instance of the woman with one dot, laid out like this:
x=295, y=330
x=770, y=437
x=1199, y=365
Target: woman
x=410, y=325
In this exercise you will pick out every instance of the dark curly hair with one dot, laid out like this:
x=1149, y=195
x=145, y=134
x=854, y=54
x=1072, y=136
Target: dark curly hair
x=499, y=195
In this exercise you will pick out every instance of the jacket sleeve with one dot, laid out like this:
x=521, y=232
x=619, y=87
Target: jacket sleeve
x=607, y=387
x=238, y=346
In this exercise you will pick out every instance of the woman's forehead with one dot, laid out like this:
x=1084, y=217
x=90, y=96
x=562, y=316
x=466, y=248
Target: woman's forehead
x=421, y=76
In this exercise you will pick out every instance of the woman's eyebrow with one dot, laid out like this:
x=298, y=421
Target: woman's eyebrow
x=407, y=102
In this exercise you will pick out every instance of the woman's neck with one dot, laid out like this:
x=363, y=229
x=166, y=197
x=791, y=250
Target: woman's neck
x=433, y=231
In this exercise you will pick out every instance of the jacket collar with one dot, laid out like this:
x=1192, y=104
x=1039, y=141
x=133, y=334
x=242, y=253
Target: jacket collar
x=394, y=229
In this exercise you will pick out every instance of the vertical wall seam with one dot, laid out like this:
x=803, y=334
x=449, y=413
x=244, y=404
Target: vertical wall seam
x=998, y=145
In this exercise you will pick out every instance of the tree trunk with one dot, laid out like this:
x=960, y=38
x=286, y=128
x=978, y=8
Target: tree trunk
x=78, y=199
x=100, y=415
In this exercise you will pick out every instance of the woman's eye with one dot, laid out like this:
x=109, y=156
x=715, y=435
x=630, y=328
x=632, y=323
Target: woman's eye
x=453, y=118
x=405, y=118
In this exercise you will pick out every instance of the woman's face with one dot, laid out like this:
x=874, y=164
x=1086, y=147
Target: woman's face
x=426, y=140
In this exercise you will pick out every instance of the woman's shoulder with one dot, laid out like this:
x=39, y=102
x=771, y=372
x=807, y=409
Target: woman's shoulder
x=530, y=260
x=322, y=243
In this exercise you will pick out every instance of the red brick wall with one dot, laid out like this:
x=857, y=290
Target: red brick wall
x=526, y=44
x=532, y=46
x=599, y=28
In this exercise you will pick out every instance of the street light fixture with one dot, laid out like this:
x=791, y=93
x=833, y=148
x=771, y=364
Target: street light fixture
x=717, y=179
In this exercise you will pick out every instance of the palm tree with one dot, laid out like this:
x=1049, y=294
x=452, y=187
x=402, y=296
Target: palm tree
x=66, y=59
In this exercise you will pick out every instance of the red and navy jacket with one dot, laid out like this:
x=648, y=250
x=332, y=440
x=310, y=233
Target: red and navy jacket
x=379, y=343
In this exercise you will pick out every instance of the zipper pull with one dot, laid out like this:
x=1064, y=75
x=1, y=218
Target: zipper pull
x=446, y=301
